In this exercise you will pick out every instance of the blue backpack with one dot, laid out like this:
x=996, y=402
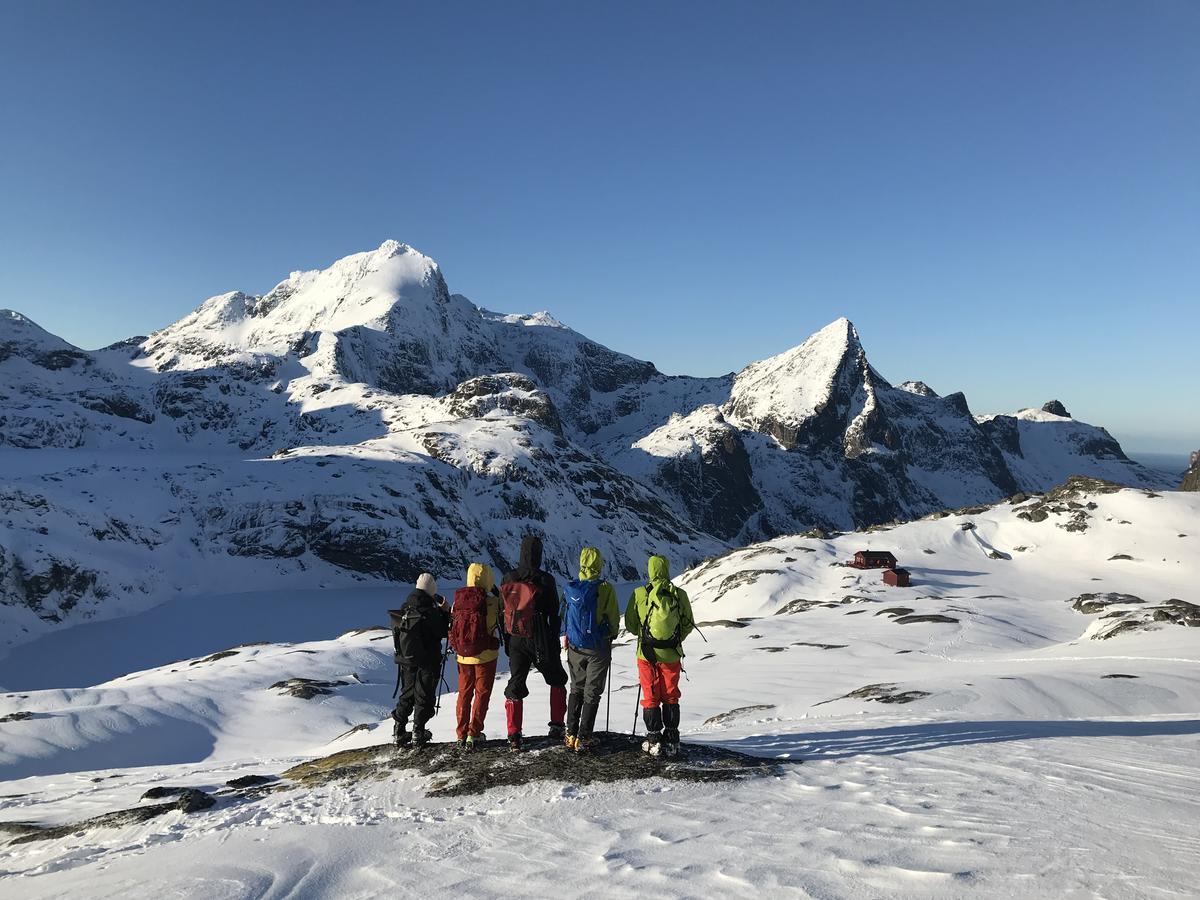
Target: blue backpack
x=581, y=600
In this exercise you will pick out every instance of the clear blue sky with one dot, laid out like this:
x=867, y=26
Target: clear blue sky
x=1004, y=197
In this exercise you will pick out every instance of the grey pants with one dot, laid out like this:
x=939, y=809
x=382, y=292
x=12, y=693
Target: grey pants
x=589, y=669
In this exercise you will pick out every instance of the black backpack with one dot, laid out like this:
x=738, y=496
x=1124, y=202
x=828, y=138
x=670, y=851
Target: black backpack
x=413, y=638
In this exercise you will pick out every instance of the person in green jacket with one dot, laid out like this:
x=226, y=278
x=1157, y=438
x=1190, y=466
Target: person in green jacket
x=590, y=621
x=660, y=614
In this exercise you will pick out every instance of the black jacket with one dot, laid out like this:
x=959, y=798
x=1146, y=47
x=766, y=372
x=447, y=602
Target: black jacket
x=435, y=626
x=547, y=623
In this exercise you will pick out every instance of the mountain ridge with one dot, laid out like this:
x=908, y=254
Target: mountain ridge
x=386, y=425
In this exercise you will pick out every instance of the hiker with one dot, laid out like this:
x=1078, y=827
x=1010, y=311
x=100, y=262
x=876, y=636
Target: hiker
x=660, y=614
x=591, y=619
x=418, y=629
x=531, y=629
x=474, y=635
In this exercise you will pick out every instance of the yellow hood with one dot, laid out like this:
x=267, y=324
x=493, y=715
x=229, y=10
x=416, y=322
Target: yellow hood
x=480, y=575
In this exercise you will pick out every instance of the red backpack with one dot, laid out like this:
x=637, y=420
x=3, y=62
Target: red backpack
x=520, y=598
x=469, y=634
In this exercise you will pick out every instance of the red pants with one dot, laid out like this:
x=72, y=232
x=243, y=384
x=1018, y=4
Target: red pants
x=474, y=682
x=660, y=682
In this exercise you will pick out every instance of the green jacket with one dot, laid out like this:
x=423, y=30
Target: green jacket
x=608, y=610
x=659, y=572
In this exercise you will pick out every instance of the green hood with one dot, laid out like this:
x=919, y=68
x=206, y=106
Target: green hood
x=590, y=564
x=658, y=569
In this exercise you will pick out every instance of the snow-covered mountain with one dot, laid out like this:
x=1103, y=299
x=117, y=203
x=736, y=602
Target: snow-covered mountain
x=361, y=421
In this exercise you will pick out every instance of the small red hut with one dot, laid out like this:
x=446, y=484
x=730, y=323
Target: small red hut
x=874, y=559
x=896, y=577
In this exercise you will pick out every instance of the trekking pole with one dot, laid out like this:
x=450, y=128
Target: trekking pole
x=608, y=702
x=636, y=704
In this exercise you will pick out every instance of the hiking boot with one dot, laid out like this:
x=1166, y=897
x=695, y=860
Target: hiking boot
x=421, y=737
x=653, y=743
x=400, y=735
x=570, y=741
x=473, y=742
x=669, y=748
x=557, y=732
x=461, y=744
x=514, y=742
x=584, y=745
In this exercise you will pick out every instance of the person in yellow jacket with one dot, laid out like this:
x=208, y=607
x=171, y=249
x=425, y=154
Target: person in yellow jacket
x=474, y=635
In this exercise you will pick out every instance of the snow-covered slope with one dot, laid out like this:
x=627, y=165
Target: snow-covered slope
x=984, y=732
x=362, y=421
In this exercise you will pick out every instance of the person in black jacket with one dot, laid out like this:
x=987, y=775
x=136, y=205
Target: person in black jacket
x=540, y=652
x=421, y=625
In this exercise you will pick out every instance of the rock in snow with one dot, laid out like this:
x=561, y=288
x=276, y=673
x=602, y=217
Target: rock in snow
x=362, y=422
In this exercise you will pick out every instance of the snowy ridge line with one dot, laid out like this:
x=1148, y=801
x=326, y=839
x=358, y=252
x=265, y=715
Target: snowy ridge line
x=361, y=423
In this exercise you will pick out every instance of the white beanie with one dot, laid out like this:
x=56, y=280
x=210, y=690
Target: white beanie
x=428, y=584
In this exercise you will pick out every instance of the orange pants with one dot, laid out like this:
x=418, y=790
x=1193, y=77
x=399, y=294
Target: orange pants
x=474, y=683
x=660, y=682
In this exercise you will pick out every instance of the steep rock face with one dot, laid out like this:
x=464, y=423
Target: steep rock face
x=1042, y=448
x=1191, y=479
x=820, y=392
x=700, y=461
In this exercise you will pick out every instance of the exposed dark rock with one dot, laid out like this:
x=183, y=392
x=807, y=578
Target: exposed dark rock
x=1055, y=408
x=722, y=623
x=224, y=654
x=157, y=793
x=1191, y=479
x=246, y=781
x=819, y=646
x=713, y=478
x=931, y=618
x=16, y=717
x=188, y=800
x=1095, y=603
x=476, y=397
x=307, y=688
x=1119, y=556
x=1119, y=675
x=882, y=693
x=617, y=757
x=738, y=713
x=1140, y=618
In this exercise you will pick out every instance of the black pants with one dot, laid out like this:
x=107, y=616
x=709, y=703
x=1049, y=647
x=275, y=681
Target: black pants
x=418, y=694
x=589, y=668
x=523, y=656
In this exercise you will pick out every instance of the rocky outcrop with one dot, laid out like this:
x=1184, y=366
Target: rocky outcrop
x=1191, y=479
x=1055, y=408
x=510, y=392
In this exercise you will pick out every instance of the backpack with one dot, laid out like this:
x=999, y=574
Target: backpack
x=662, y=628
x=412, y=637
x=469, y=635
x=581, y=601
x=520, y=600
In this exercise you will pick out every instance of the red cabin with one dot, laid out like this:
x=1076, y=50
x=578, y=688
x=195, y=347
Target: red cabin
x=874, y=559
x=896, y=577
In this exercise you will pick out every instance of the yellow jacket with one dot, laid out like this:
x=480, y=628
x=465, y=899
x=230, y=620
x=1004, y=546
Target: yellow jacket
x=480, y=576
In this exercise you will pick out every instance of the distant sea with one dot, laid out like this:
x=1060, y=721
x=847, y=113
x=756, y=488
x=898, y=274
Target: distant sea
x=1166, y=462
